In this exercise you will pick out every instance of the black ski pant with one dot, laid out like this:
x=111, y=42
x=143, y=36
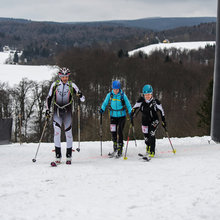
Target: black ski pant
x=116, y=127
x=149, y=136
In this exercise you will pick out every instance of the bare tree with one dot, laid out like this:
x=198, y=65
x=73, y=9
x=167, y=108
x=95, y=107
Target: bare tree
x=23, y=101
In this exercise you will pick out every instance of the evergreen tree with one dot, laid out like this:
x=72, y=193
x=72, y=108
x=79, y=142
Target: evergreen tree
x=205, y=110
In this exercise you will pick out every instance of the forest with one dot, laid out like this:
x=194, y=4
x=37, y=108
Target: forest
x=179, y=79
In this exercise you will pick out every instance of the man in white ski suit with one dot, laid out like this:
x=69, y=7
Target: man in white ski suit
x=62, y=91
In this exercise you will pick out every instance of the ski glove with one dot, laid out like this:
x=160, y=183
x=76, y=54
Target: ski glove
x=132, y=113
x=101, y=111
x=47, y=113
x=155, y=123
x=79, y=93
x=152, y=133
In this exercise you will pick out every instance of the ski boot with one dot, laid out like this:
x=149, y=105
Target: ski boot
x=151, y=154
x=115, y=146
x=120, y=150
x=147, y=149
x=69, y=156
x=58, y=155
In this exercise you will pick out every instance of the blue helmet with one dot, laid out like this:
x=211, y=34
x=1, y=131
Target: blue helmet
x=147, y=89
x=116, y=84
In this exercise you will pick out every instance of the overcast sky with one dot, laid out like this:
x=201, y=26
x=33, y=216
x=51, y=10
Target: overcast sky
x=99, y=10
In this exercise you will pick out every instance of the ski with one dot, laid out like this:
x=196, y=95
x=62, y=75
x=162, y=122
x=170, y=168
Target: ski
x=55, y=163
x=114, y=154
x=144, y=157
x=68, y=162
x=54, y=150
x=117, y=156
x=111, y=155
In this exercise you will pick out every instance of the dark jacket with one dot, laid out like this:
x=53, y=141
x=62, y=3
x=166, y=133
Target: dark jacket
x=149, y=110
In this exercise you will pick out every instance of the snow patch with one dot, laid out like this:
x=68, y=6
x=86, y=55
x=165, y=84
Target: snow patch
x=179, y=45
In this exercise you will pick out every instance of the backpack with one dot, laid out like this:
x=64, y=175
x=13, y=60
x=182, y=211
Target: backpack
x=122, y=101
x=70, y=85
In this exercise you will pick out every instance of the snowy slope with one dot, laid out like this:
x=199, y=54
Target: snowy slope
x=4, y=56
x=185, y=186
x=179, y=45
x=13, y=74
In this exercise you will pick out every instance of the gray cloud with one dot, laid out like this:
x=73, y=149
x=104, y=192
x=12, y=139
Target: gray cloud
x=91, y=10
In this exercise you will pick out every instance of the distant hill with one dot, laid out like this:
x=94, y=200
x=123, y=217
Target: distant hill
x=43, y=40
x=158, y=23
x=15, y=20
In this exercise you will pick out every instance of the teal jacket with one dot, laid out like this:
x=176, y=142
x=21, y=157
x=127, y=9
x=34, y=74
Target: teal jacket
x=116, y=104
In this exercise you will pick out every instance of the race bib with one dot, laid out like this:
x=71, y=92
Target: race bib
x=112, y=127
x=145, y=129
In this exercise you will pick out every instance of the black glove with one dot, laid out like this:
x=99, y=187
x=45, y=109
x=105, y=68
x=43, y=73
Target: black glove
x=152, y=133
x=47, y=113
x=132, y=113
x=155, y=123
x=79, y=93
x=131, y=118
x=101, y=111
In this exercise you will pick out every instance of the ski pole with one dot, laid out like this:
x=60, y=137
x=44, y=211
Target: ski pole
x=78, y=148
x=134, y=135
x=132, y=121
x=129, y=130
x=100, y=132
x=174, y=150
x=45, y=125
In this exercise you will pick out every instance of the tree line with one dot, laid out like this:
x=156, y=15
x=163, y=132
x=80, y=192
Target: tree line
x=179, y=82
x=52, y=38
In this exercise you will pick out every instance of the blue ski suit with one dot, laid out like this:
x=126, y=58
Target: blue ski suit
x=117, y=103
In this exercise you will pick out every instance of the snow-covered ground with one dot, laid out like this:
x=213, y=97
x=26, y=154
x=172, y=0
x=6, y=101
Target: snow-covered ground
x=184, y=186
x=13, y=74
x=179, y=45
x=4, y=56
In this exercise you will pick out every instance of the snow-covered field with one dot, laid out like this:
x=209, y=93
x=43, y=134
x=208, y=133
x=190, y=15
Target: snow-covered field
x=4, y=56
x=184, y=186
x=178, y=45
x=13, y=74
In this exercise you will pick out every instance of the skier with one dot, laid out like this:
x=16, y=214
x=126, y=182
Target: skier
x=118, y=102
x=150, y=120
x=62, y=90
